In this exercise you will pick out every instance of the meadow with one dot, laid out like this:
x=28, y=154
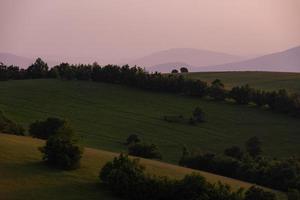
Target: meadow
x=260, y=80
x=105, y=114
x=24, y=176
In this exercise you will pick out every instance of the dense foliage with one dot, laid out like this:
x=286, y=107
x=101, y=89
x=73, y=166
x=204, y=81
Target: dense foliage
x=44, y=129
x=126, y=178
x=279, y=101
x=62, y=150
x=144, y=150
x=250, y=166
x=9, y=126
x=132, y=139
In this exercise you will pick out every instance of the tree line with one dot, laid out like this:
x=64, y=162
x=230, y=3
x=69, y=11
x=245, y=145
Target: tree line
x=248, y=165
x=279, y=101
x=126, y=178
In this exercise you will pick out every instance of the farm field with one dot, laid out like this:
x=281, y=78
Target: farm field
x=261, y=80
x=105, y=114
x=23, y=174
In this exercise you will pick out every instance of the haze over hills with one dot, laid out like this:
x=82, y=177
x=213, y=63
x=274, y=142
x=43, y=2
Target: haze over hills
x=11, y=59
x=189, y=56
x=196, y=61
x=285, y=61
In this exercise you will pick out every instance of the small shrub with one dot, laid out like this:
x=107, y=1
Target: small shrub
x=44, y=129
x=144, y=150
x=234, y=152
x=198, y=115
x=62, y=150
x=132, y=139
x=255, y=193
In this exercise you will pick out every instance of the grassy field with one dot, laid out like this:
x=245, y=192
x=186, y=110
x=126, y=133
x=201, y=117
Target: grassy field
x=105, y=114
x=23, y=176
x=261, y=80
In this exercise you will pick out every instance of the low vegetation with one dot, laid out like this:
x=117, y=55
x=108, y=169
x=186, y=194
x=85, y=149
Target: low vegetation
x=105, y=114
x=62, y=149
x=279, y=101
x=126, y=178
x=44, y=129
x=144, y=150
x=23, y=175
x=9, y=126
x=251, y=166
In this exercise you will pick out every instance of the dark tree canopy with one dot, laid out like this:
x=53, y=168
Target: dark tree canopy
x=254, y=146
x=174, y=71
x=144, y=150
x=184, y=70
x=132, y=139
x=39, y=69
x=62, y=150
x=255, y=193
x=44, y=129
x=217, y=90
x=235, y=152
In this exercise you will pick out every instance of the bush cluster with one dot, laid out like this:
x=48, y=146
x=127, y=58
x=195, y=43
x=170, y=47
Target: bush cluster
x=9, y=126
x=198, y=116
x=279, y=101
x=44, y=129
x=141, y=149
x=126, y=178
x=62, y=149
x=250, y=166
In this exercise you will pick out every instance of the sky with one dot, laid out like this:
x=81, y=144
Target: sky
x=115, y=30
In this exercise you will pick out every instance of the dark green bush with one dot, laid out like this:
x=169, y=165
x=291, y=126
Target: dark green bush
x=144, y=150
x=44, y=129
x=9, y=126
x=62, y=150
x=255, y=193
x=126, y=178
x=132, y=139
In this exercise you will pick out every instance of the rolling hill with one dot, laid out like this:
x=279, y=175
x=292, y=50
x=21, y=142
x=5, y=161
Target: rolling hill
x=191, y=57
x=260, y=80
x=105, y=114
x=24, y=176
x=285, y=61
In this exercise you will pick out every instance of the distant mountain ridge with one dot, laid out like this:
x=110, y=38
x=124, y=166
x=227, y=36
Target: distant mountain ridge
x=11, y=59
x=189, y=56
x=284, y=61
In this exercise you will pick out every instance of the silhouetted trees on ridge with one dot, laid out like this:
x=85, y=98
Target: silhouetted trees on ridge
x=279, y=101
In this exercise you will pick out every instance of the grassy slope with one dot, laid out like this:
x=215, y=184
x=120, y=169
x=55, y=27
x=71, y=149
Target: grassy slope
x=262, y=80
x=24, y=176
x=104, y=115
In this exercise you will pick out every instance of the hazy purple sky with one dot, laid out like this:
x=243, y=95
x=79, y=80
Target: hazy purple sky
x=117, y=29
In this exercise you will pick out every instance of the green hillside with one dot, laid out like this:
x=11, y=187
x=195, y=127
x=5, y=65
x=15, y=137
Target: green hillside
x=105, y=114
x=23, y=176
x=262, y=80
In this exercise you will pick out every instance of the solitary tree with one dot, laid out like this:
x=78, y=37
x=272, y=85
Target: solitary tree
x=174, y=71
x=184, y=70
x=217, y=90
x=62, y=150
x=253, y=146
x=132, y=139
